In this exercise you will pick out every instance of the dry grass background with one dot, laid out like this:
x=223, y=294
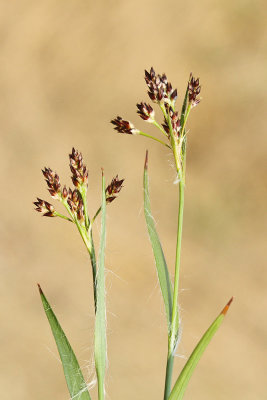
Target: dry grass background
x=66, y=69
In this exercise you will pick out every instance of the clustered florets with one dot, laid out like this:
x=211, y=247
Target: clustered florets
x=161, y=92
x=175, y=122
x=72, y=198
x=113, y=188
x=159, y=89
x=123, y=126
x=193, y=90
x=79, y=171
x=146, y=112
x=53, y=182
x=44, y=207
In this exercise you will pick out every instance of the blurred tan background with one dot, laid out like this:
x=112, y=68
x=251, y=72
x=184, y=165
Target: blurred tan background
x=66, y=69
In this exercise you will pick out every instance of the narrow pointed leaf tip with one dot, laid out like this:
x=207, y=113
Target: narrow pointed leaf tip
x=40, y=289
x=146, y=160
x=226, y=308
x=182, y=381
x=72, y=371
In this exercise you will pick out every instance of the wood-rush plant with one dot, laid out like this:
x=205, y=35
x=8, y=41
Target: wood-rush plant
x=75, y=202
x=173, y=129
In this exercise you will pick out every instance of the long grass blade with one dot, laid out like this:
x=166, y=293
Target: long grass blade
x=184, y=377
x=161, y=265
x=100, y=321
x=72, y=371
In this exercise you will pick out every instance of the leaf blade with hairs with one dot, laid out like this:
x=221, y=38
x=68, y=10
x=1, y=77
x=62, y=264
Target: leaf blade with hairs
x=161, y=265
x=184, y=377
x=100, y=320
x=72, y=371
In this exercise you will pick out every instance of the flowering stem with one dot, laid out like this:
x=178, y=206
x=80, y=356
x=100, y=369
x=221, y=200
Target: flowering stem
x=57, y=214
x=96, y=214
x=174, y=331
x=168, y=377
x=175, y=310
x=152, y=137
x=89, y=244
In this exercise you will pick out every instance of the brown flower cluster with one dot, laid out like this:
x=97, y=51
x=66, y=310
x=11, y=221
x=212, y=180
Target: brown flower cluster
x=70, y=198
x=75, y=203
x=113, y=188
x=78, y=169
x=73, y=199
x=159, y=88
x=145, y=111
x=175, y=122
x=193, y=90
x=123, y=126
x=44, y=207
x=53, y=182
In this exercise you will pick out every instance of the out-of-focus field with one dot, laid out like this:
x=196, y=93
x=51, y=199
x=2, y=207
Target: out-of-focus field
x=66, y=69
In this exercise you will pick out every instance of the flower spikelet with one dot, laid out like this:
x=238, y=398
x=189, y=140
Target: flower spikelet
x=159, y=88
x=113, y=188
x=146, y=112
x=193, y=90
x=78, y=169
x=53, y=182
x=123, y=126
x=44, y=207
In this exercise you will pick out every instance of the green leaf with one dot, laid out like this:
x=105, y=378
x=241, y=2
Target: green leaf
x=184, y=377
x=73, y=374
x=162, y=269
x=100, y=321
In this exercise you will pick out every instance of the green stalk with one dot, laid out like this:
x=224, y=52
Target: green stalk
x=174, y=331
x=89, y=244
x=168, y=376
x=57, y=214
x=175, y=310
x=173, y=336
x=152, y=137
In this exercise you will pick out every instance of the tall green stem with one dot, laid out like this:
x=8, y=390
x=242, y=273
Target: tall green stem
x=87, y=237
x=168, y=376
x=175, y=310
x=173, y=335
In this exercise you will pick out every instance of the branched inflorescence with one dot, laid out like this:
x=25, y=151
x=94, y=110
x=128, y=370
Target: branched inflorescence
x=74, y=199
x=161, y=92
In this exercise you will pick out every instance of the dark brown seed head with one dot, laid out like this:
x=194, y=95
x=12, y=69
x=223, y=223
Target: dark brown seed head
x=78, y=169
x=159, y=88
x=53, y=182
x=44, y=207
x=74, y=199
x=113, y=188
x=64, y=192
x=80, y=212
x=145, y=111
x=193, y=91
x=123, y=126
